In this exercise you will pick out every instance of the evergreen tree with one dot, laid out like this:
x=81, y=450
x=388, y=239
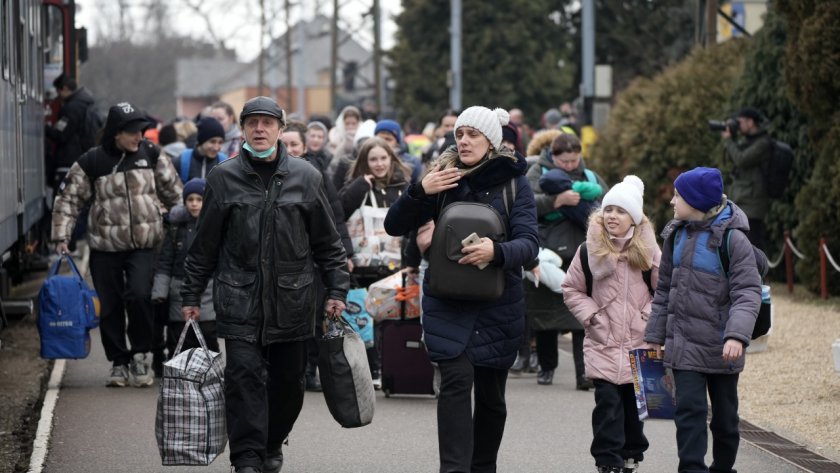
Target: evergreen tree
x=511, y=56
x=641, y=37
x=812, y=69
x=658, y=129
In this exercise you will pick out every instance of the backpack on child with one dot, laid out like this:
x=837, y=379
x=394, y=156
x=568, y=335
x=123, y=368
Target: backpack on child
x=763, y=321
x=186, y=161
x=587, y=272
x=450, y=280
x=68, y=310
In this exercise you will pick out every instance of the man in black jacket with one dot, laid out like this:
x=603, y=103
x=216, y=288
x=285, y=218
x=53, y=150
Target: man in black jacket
x=68, y=130
x=265, y=223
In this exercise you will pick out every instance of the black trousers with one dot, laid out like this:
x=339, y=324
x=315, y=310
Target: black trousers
x=690, y=418
x=547, y=350
x=123, y=282
x=617, y=431
x=468, y=441
x=264, y=389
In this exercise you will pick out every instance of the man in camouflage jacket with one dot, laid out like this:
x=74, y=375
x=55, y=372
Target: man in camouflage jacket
x=125, y=179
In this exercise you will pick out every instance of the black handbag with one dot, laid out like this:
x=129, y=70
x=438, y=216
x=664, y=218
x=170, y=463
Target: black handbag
x=345, y=375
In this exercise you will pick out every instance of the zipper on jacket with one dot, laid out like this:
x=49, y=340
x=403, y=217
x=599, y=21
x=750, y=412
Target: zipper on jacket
x=127, y=201
x=263, y=216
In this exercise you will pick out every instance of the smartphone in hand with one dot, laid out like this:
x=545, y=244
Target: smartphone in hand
x=473, y=239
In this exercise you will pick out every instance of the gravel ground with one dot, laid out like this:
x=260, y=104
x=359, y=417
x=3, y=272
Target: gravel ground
x=792, y=388
x=23, y=377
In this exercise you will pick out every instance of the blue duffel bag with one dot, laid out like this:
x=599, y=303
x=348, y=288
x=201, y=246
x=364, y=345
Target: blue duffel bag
x=68, y=310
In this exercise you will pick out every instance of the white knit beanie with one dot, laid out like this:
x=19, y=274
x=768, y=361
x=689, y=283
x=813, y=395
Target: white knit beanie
x=627, y=194
x=488, y=122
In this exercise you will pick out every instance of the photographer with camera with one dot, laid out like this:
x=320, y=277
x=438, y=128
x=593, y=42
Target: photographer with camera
x=748, y=153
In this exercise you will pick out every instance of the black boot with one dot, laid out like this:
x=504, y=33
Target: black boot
x=545, y=377
x=313, y=383
x=584, y=384
x=608, y=469
x=273, y=461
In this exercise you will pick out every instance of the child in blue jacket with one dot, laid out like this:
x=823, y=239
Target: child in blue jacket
x=704, y=315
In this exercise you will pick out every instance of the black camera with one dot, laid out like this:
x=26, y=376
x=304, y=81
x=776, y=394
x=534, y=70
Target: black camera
x=722, y=125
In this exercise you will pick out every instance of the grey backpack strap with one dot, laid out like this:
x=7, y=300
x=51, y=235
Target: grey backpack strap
x=509, y=195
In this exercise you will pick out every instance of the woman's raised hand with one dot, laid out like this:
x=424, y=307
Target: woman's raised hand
x=438, y=181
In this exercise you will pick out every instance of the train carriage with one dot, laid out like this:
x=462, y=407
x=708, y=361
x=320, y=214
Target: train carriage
x=38, y=41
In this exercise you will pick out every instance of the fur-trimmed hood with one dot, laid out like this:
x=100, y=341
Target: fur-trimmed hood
x=542, y=140
x=604, y=266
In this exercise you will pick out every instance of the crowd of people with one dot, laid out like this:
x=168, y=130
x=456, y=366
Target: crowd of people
x=245, y=224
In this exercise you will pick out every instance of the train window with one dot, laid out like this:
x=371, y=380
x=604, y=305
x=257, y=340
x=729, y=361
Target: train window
x=53, y=44
x=5, y=36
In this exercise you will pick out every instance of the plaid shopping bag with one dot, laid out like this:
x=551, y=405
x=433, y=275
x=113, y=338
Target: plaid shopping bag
x=190, y=420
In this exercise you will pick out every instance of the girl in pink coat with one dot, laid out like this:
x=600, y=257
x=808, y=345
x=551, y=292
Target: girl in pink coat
x=620, y=248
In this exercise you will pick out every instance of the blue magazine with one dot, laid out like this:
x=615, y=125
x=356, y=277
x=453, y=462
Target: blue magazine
x=654, y=385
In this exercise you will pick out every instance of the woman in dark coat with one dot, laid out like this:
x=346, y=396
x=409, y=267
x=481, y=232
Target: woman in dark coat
x=474, y=343
x=547, y=312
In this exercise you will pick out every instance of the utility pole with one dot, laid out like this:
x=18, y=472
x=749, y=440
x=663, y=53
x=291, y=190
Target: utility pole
x=301, y=59
x=455, y=71
x=334, y=58
x=711, y=22
x=261, y=61
x=288, y=57
x=587, y=88
x=377, y=56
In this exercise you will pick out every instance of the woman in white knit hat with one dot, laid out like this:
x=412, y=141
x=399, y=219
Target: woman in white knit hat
x=623, y=258
x=474, y=343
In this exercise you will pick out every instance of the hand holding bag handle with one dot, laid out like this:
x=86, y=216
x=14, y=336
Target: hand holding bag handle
x=192, y=323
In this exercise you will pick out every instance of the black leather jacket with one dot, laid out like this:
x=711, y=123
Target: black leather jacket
x=260, y=245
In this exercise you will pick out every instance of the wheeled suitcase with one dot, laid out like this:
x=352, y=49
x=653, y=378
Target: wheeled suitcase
x=406, y=368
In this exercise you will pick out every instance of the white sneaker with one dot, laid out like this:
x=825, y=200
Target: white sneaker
x=377, y=383
x=118, y=377
x=141, y=375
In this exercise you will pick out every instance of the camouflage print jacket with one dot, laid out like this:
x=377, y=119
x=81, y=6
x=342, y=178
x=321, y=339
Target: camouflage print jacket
x=126, y=191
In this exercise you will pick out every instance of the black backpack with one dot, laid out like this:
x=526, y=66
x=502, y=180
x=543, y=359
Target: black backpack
x=587, y=273
x=776, y=169
x=762, y=322
x=94, y=121
x=447, y=278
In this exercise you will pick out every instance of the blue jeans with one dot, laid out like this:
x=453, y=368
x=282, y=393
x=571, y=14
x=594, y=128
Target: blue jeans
x=690, y=418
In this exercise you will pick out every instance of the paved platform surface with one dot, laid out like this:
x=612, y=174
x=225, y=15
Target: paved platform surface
x=98, y=429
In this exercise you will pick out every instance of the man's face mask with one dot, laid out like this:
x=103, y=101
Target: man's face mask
x=259, y=154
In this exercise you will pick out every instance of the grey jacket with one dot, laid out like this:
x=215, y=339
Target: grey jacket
x=696, y=307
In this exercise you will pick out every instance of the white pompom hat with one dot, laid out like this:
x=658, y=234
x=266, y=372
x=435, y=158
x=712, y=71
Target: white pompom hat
x=627, y=194
x=488, y=122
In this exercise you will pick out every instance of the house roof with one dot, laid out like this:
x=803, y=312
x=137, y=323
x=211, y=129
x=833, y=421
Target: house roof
x=200, y=77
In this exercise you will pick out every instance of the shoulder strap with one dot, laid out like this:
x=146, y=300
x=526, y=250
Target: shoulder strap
x=584, y=264
x=723, y=251
x=186, y=160
x=648, y=277
x=509, y=195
